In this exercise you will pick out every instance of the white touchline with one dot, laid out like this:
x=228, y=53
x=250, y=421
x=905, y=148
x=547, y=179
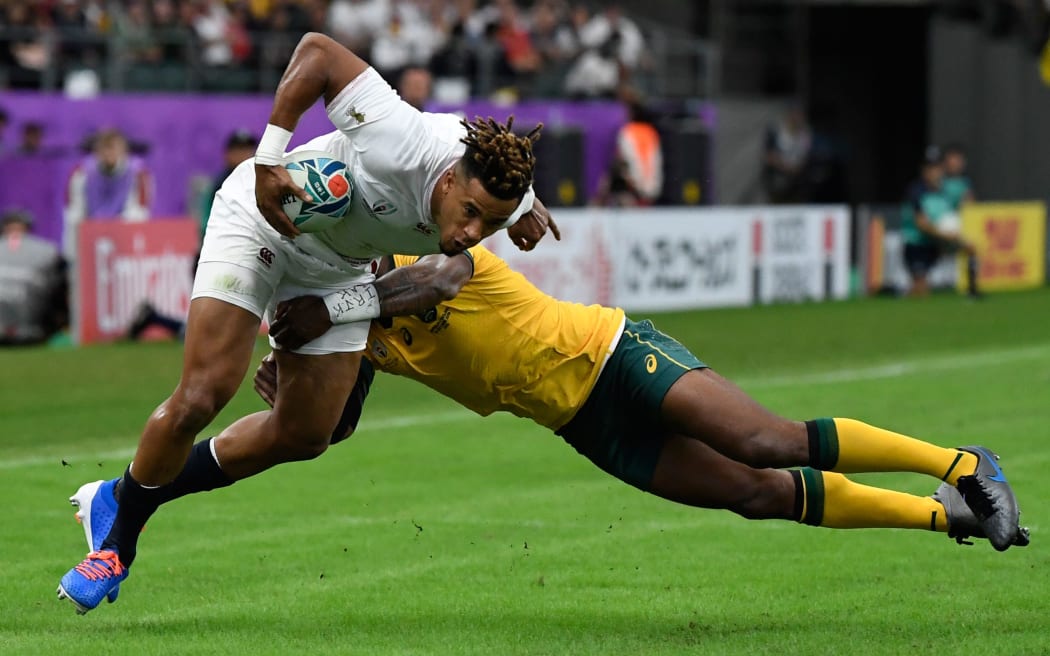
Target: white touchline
x=956, y=361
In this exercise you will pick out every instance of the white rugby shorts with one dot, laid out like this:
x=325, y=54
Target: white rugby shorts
x=247, y=263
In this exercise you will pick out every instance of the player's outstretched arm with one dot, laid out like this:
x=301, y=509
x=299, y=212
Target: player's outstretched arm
x=319, y=68
x=406, y=290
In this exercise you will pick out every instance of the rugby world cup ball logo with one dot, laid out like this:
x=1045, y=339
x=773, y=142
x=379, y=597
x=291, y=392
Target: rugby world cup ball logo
x=327, y=181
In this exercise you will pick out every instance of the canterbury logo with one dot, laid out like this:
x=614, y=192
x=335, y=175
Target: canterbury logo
x=265, y=256
x=650, y=363
x=1002, y=233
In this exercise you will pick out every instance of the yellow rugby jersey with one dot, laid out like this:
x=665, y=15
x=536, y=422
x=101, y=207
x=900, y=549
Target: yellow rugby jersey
x=501, y=344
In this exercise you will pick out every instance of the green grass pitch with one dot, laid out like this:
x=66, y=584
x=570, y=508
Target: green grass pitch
x=433, y=531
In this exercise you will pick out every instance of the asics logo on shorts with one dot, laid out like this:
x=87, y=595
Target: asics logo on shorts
x=266, y=256
x=650, y=363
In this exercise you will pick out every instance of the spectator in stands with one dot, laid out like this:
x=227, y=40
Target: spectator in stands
x=33, y=302
x=630, y=44
x=926, y=233
x=788, y=146
x=556, y=44
x=32, y=139
x=636, y=174
x=407, y=38
x=135, y=27
x=170, y=34
x=596, y=73
x=214, y=28
x=239, y=146
x=957, y=186
x=108, y=184
x=80, y=30
x=353, y=22
x=611, y=50
x=28, y=54
x=414, y=86
x=458, y=57
x=513, y=35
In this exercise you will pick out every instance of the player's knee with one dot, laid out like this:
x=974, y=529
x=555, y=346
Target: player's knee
x=764, y=498
x=781, y=443
x=308, y=449
x=192, y=408
x=302, y=443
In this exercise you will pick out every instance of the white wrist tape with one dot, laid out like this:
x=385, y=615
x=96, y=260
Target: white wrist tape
x=357, y=303
x=524, y=207
x=270, y=151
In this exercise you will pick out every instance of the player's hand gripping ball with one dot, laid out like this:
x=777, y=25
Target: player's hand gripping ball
x=327, y=181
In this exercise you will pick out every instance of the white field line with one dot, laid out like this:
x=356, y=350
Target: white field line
x=972, y=359
x=446, y=417
x=901, y=368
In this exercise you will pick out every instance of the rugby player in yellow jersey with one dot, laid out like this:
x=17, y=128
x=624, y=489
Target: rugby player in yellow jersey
x=642, y=407
x=633, y=400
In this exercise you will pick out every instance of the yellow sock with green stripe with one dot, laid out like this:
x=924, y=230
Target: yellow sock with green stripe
x=833, y=501
x=849, y=446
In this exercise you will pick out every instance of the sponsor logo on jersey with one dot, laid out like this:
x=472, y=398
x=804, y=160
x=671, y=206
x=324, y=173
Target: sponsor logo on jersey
x=442, y=323
x=383, y=207
x=425, y=228
x=650, y=363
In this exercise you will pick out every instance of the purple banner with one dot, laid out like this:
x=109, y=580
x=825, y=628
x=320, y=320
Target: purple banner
x=185, y=137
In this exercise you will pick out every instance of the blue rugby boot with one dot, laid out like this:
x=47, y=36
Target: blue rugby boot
x=95, y=578
x=96, y=511
x=992, y=500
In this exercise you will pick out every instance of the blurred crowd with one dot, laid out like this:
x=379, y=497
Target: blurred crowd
x=538, y=48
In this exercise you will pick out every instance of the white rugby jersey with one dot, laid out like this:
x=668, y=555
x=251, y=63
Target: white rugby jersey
x=395, y=156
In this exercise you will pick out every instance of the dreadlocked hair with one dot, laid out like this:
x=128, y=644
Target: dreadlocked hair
x=500, y=159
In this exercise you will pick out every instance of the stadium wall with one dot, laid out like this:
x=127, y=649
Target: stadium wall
x=987, y=93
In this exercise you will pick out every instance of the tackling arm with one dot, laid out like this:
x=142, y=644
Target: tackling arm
x=403, y=291
x=423, y=284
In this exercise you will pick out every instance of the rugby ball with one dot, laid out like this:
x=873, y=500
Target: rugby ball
x=329, y=184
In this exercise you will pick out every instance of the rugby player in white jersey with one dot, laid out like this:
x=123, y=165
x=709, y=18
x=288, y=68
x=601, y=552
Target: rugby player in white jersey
x=423, y=183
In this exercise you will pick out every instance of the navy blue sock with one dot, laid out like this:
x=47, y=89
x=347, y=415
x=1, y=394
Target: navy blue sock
x=137, y=504
x=200, y=474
